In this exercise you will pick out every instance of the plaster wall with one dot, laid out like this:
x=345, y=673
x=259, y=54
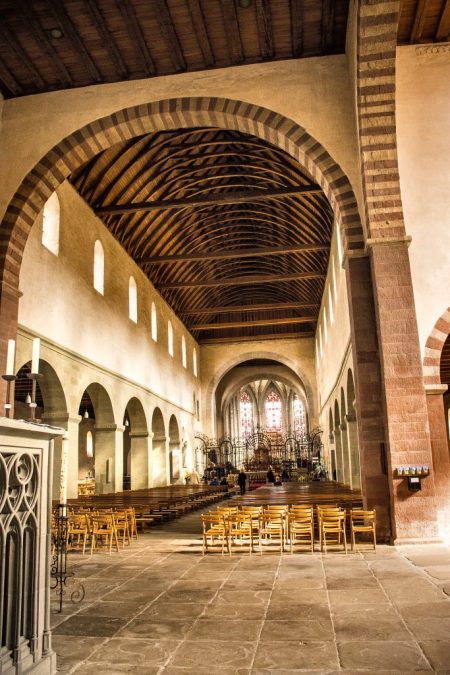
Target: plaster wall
x=333, y=327
x=218, y=360
x=423, y=132
x=313, y=92
x=59, y=303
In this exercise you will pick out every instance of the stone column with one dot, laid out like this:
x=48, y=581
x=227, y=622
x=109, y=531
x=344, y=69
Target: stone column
x=332, y=457
x=353, y=451
x=108, y=458
x=440, y=453
x=71, y=423
x=339, y=458
x=407, y=430
x=345, y=454
x=368, y=391
x=140, y=451
x=159, y=461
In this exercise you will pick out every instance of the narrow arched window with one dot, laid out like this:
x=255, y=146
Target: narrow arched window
x=99, y=267
x=325, y=329
x=330, y=306
x=132, y=300
x=89, y=444
x=194, y=362
x=272, y=406
x=154, y=322
x=170, y=338
x=183, y=352
x=299, y=416
x=50, y=224
x=246, y=415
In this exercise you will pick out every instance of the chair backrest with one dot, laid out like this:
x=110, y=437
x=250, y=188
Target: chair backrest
x=362, y=517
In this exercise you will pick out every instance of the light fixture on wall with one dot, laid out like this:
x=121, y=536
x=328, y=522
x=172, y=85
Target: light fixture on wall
x=28, y=399
x=127, y=424
x=86, y=414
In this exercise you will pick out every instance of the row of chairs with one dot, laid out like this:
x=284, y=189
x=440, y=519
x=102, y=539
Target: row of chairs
x=100, y=529
x=283, y=526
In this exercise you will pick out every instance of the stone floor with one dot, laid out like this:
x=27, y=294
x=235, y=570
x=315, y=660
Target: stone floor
x=160, y=607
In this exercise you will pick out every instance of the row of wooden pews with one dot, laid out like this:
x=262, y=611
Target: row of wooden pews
x=154, y=505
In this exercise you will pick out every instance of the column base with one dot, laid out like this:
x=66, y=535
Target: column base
x=408, y=541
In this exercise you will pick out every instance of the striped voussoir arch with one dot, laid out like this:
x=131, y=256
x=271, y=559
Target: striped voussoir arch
x=82, y=145
x=376, y=51
x=433, y=349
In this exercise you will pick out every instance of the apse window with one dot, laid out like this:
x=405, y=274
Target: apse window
x=154, y=323
x=89, y=444
x=170, y=338
x=246, y=415
x=183, y=352
x=194, y=362
x=273, y=411
x=99, y=268
x=132, y=300
x=50, y=224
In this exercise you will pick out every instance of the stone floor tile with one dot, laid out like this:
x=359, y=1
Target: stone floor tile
x=295, y=655
x=232, y=655
x=90, y=626
x=116, y=669
x=437, y=653
x=429, y=628
x=138, y=652
x=243, y=597
x=196, y=585
x=413, y=591
x=123, y=610
x=426, y=610
x=342, y=583
x=160, y=629
x=180, y=670
x=373, y=622
x=357, y=596
x=70, y=652
x=195, y=595
x=298, y=596
x=296, y=610
x=390, y=656
x=226, y=629
x=160, y=610
x=141, y=598
x=301, y=583
x=300, y=629
x=227, y=610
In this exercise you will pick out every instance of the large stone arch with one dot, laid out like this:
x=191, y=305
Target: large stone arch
x=433, y=349
x=85, y=143
x=174, y=450
x=159, y=459
x=136, y=442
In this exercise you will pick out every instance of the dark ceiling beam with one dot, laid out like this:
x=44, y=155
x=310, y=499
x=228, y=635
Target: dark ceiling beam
x=8, y=82
x=265, y=29
x=243, y=281
x=328, y=7
x=106, y=37
x=234, y=309
x=231, y=28
x=211, y=200
x=236, y=253
x=297, y=27
x=281, y=321
x=134, y=30
x=168, y=30
x=419, y=21
x=43, y=41
x=71, y=34
x=443, y=29
x=201, y=34
x=252, y=338
x=21, y=55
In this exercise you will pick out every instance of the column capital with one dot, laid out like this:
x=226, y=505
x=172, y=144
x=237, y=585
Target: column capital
x=351, y=417
x=139, y=434
x=110, y=427
x=386, y=241
x=60, y=418
x=431, y=389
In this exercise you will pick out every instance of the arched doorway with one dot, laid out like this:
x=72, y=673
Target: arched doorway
x=136, y=445
x=86, y=446
x=107, y=439
x=158, y=464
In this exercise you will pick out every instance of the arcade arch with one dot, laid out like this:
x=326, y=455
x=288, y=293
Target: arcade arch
x=174, y=451
x=159, y=459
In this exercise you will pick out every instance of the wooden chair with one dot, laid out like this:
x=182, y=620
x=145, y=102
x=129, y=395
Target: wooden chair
x=332, y=522
x=240, y=530
x=271, y=527
x=121, y=524
x=254, y=512
x=132, y=522
x=301, y=526
x=78, y=531
x=215, y=529
x=363, y=521
x=103, y=528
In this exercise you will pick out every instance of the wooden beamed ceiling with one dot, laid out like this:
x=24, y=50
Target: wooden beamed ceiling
x=231, y=263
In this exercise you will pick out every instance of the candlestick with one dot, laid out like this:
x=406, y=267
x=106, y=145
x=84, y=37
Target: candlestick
x=35, y=355
x=10, y=357
x=34, y=377
x=9, y=379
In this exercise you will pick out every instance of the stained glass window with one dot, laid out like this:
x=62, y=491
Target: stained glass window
x=246, y=411
x=273, y=411
x=299, y=416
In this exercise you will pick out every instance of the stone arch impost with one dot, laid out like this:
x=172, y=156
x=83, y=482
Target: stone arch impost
x=433, y=350
x=139, y=434
x=110, y=427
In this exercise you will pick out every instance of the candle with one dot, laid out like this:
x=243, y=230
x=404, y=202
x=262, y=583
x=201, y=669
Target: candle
x=10, y=357
x=35, y=356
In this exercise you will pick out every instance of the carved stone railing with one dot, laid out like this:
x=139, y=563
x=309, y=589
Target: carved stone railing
x=26, y=458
